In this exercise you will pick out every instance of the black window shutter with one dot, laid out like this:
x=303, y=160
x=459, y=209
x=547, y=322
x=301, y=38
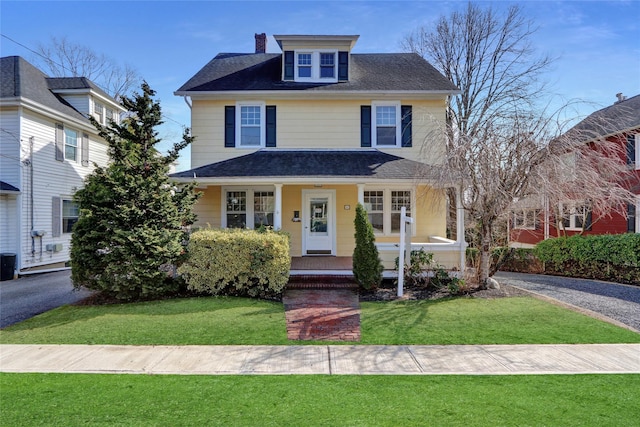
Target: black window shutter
x=288, y=65
x=631, y=218
x=56, y=217
x=406, y=114
x=229, y=126
x=85, y=149
x=588, y=220
x=59, y=142
x=365, y=126
x=343, y=66
x=271, y=126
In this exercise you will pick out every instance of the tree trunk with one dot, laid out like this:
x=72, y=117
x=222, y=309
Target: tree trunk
x=485, y=255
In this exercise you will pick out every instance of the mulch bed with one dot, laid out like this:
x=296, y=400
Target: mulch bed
x=389, y=293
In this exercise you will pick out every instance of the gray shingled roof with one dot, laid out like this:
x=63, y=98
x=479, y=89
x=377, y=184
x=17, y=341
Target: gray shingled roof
x=4, y=186
x=367, y=72
x=356, y=164
x=21, y=79
x=617, y=118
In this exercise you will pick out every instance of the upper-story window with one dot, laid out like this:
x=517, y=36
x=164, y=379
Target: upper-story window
x=98, y=112
x=250, y=131
x=575, y=216
x=386, y=122
x=70, y=144
x=316, y=66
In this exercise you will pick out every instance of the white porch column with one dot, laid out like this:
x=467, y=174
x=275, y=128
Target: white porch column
x=361, y=194
x=277, y=215
x=460, y=229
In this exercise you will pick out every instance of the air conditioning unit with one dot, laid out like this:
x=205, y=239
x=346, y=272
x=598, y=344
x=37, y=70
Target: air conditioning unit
x=54, y=247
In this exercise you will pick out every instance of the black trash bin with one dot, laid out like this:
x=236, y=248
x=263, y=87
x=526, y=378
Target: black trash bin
x=7, y=266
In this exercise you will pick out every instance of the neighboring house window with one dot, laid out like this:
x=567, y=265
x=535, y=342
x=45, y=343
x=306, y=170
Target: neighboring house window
x=70, y=144
x=109, y=115
x=241, y=213
x=632, y=211
x=70, y=214
x=633, y=148
x=575, y=217
x=98, y=111
x=526, y=219
x=383, y=208
x=374, y=205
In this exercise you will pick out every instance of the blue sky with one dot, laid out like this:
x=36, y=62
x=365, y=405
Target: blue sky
x=597, y=42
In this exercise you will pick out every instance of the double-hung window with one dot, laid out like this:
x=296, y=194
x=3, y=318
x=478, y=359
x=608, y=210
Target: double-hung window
x=526, y=219
x=316, y=66
x=574, y=216
x=327, y=65
x=386, y=122
x=251, y=124
x=304, y=64
x=374, y=204
x=98, y=112
x=384, y=209
x=70, y=144
x=70, y=214
x=250, y=208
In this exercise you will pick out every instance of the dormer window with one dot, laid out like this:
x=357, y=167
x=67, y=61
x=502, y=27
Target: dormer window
x=316, y=66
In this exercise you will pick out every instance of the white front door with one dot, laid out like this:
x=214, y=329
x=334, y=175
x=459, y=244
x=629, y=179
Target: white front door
x=318, y=219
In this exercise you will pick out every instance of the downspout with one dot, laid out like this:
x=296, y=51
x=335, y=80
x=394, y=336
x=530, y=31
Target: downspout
x=186, y=101
x=33, y=239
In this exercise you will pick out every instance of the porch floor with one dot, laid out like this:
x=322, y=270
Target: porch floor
x=321, y=265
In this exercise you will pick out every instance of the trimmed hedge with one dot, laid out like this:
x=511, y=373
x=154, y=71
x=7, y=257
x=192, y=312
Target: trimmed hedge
x=237, y=262
x=614, y=257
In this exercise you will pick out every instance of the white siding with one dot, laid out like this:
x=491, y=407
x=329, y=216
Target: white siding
x=51, y=179
x=10, y=147
x=9, y=223
x=79, y=102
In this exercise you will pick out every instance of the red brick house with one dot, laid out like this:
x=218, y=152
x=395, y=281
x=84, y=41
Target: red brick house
x=534, y=220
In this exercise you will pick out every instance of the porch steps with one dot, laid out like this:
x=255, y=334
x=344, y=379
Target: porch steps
x=321, y=282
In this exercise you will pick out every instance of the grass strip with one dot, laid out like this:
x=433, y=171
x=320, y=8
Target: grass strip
x=139, y=400
x=240, y=321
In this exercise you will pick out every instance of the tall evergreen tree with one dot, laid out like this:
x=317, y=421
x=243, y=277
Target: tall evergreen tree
x=367, y=268
x=131, y=230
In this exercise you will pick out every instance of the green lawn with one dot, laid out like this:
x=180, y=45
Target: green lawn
x=141, y=400
x=317, y=400
x=201, y=321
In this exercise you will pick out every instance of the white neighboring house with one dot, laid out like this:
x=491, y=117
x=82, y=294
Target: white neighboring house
x=47, y=148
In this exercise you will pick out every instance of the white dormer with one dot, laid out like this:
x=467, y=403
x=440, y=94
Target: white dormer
x=315, y=59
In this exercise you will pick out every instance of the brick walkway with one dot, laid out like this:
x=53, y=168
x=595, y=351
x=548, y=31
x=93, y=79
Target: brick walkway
x=329, y=314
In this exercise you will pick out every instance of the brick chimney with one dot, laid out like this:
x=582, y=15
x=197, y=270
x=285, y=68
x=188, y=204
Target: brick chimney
x=261, y=43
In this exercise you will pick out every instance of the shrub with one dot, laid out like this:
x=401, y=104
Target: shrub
x=237, y=262
x=425, y=271
x=605, y=257
x=367, y=268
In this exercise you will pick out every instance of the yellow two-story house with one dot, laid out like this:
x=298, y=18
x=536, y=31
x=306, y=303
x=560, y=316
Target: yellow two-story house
x=294, y=140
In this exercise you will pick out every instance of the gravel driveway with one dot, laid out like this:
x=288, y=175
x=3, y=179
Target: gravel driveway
x=616, y=301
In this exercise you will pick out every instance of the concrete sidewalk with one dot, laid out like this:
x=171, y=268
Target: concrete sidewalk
x=326, y=360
